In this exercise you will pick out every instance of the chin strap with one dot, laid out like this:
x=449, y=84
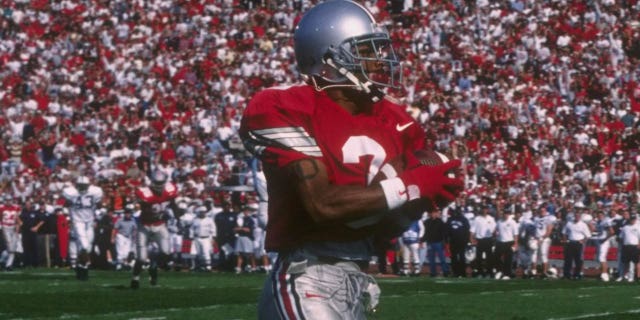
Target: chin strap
x=368, y=87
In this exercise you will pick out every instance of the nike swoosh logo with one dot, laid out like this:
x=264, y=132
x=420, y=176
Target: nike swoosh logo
x=404, y=126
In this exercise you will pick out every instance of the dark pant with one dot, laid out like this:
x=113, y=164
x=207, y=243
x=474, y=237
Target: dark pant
x=458, y=262
x=504, y=257
x=437, y=249
x=573, y=254
x=30, y=246
x=629, y=254
x=484, y=256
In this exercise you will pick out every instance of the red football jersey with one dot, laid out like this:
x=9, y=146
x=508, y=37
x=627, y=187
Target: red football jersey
x=9, y=215
x=284, y=125
x=153, y=206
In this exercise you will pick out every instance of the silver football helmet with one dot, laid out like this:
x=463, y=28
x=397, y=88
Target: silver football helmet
x=338, y=43
x=158, y=180
x=470, y=254
x=82, y=184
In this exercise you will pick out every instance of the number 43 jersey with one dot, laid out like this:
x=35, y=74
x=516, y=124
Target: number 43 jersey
x=281, y=126
x=83, y=205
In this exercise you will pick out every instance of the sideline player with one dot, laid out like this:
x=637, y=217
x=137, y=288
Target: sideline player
x=123, y=237
x=157, y=204
x=203, y=231
x=544, y=223
x=604, y=236
x=321, y=145
x=410, y=244
x=10, y=222
x=83, y=199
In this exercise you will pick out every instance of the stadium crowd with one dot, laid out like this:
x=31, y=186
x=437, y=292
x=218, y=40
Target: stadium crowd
x=541, y=99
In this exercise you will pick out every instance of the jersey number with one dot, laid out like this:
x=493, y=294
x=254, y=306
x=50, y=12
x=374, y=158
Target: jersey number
x=358, y=146
x=355, y=148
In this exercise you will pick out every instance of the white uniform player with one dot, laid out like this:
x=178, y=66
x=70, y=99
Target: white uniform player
x=411, y=239
x=604, y=237
x=10, y=221
x=203, y=231
x=527, y=243
x=175, y=228
x=123, y=236
x=83, y=200
x=544, y=223
x=188, y=253
x=260, y=182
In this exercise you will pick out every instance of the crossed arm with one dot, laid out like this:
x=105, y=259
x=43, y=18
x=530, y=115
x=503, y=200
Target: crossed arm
x=328, y=202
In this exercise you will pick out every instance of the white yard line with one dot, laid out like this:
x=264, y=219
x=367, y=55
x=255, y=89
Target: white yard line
x=594, y=315
x=136, y=314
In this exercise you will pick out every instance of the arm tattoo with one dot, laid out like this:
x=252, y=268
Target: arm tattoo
x=306, y=169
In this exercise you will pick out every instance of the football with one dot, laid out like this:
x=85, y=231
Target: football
x=428, y=157
x=398, y=220
x=393, y=223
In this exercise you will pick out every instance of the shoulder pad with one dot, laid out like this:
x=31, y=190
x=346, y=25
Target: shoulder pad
x=170, y=190
x=144, y=193
x=69, y=192
x=96, y=191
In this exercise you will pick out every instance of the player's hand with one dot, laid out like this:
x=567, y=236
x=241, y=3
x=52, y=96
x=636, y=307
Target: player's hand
x=433, y=182
x=410, y=160
x=390, y=169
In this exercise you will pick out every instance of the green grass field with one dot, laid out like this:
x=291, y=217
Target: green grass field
x=55, y=294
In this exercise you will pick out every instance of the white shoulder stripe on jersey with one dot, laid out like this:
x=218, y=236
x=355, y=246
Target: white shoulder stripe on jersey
x=295, y=138
x=267, y=131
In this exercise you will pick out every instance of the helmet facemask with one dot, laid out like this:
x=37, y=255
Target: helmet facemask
x=82, y=187
x=370, y=58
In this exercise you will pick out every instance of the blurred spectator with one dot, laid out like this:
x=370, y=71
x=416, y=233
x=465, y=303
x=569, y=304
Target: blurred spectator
x=506, y=244
x=226, y=222
x=458, y=231
x=32, y=219
x=576, y=233
x=482, y=235
x=244, y=241
x=434, y=234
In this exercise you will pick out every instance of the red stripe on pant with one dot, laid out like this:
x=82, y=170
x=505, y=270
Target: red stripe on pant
x=284, y=292
x=286, y=296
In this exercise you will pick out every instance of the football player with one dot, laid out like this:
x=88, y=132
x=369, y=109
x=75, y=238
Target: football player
x=123, y=237
x=157, y=205
x=203, y=231
x=410, y=243
x=10, y=222
x=604, y=237
x=82, y=199
x=321, y=145
x=544, y=223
